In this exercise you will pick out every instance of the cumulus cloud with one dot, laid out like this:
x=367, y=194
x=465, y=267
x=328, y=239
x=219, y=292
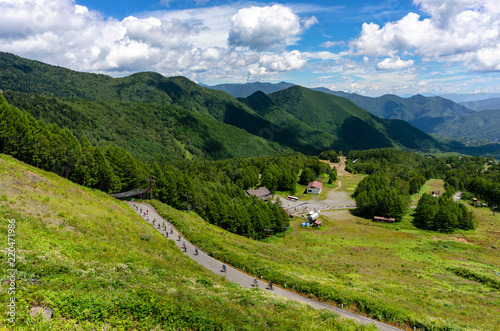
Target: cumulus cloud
x=467, y=31
x=394, y=64
x=260, y=28
x=187, y=43
x=271, y=63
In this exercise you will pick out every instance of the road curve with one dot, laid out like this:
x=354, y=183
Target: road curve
x=236, y=276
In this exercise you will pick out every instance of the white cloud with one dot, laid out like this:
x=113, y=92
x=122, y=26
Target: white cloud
x=260, y=28
x=467, y=31
x=271, y=63
x=394, y=63
x=328, y=44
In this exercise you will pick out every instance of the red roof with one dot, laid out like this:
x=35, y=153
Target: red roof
x=315, y=184
x=385, y=219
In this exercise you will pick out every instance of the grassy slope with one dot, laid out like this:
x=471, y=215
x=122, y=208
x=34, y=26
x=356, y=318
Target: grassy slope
x=394, y=271
x=101, y=267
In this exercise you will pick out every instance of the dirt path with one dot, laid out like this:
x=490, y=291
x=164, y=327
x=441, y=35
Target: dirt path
x=236, y=276
x=340, y=166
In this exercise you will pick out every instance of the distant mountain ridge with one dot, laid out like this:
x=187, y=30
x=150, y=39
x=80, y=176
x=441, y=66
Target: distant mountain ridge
x=433, y=114
x=247, y=89
x=425, y=113
x=478, y=105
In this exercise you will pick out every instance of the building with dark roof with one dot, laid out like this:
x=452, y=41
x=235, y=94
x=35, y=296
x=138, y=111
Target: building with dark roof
x=262, y=193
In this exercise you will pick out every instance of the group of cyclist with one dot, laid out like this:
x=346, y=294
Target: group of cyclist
x=184, y=247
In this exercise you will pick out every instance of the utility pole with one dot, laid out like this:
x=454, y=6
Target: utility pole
x=284, y=229
x=150, y=179
x=267, y=235
x=187, y=197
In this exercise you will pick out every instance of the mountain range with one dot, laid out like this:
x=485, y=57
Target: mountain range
x=434, y=115
x=155, y=117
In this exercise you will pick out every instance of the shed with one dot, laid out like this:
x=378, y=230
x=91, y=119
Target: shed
x=262, y=193
x=383, y=219
x=314, y=187
x=316, y=223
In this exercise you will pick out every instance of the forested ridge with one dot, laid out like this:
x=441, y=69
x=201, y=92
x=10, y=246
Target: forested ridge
x=150, y=115
x=216, y=187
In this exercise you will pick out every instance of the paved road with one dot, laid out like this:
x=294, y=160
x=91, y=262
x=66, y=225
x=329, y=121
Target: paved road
x=235, y=275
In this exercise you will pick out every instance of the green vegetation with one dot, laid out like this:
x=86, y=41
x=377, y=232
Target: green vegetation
x=442, y=214
x=393, y=177
x=375, y=196
x=149, y=132
x=157, y=118
x=356, y=128
x=330, y=155
x=82, y=254
x=395, y=272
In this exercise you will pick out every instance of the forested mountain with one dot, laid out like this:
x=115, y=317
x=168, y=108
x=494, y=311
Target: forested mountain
x=155, y=117
x=425, y=113
x=247, y=89
x=483, y=124
x=149, y=132
x=342, y=118
x=478, y=105
x=429, y=114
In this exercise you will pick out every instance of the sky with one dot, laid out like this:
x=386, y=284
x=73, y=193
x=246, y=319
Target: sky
x=400, y=47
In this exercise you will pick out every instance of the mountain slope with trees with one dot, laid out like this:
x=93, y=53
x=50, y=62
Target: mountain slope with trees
x=342, y=118
x=425, y=113
x=146, y=112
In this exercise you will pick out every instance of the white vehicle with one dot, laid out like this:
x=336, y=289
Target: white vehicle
x=313, y=216
x=291, y=198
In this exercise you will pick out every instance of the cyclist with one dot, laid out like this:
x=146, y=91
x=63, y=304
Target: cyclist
x=255, y=282
x=223, y=268
x=270, y=285
x=196, y=251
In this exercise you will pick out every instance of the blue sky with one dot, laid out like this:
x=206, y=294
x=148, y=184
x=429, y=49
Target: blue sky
x=368, y=47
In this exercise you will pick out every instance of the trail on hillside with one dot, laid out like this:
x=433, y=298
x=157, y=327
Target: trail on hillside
x=236, y=276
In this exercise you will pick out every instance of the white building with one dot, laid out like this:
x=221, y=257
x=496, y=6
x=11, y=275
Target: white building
x=314, y=187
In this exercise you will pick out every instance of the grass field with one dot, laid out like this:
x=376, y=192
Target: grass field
x=433, y=185
x=99, y=266
x=394, y=272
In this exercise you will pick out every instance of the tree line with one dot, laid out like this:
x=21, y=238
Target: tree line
x=216, y=187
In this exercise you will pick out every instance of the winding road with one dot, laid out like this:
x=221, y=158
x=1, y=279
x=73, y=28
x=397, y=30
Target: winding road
x=235, y=275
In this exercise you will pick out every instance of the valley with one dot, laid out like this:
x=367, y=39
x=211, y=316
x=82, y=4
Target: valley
x=221, y=170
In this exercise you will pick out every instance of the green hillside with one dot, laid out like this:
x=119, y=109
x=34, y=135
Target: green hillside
x=155, y=117
x=149, y=132
x=483, y=124
x=342, y=118
x=425, y=113
x=98, y=265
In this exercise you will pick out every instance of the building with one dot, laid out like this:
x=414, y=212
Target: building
x=261, y=193
x=384, y=219
x=314, y=187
